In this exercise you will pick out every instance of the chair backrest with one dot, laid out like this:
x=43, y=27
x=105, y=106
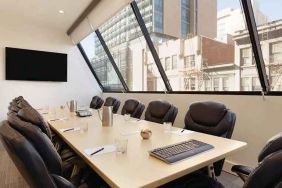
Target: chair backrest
x=115, y=103
x=40, y=141
x=268, y=173
x=211, y=118
x=31, y=115
x=273, y=144
x=96, y=102
x=25, y=157
x=160, y=112
x=133, y=107
x=18, y=103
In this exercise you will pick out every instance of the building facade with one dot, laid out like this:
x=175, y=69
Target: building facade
x=230, y=20
x=270, y=35
x=165, y=20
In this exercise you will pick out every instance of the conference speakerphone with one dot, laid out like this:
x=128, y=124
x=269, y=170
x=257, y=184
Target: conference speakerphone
x=176, y=152
x=83, y=113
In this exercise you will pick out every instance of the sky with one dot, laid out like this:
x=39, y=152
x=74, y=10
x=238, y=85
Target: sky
x=271, y=8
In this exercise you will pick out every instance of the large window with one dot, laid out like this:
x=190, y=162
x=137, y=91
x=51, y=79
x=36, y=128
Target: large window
x=201, y=45
x=208, y=40
x=268, y=16
x=246, y=56
x=101, y=64
x=129, y=48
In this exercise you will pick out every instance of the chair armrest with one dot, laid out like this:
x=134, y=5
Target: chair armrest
x=62, y=182
x=242, y=171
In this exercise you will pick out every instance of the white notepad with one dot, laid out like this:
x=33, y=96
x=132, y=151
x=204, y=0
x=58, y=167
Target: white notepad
x=107, y=149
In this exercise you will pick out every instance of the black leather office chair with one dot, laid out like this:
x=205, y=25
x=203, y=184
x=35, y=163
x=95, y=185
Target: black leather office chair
x=28, y=161
x=115, y=103
x=133, y=107
x=96, y=102
x=211, y=118
x=29, y=114
x=272, y=146
x=17, y=103
x=266, y=175
x=43, y=145
x=160, y=112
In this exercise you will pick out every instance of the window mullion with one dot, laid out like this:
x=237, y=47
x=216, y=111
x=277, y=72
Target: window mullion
x=254, y=37
x=150, y=44
x=89, y=65
x=106, y=49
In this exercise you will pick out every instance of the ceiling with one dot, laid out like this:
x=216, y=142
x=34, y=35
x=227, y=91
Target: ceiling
x=44, y=12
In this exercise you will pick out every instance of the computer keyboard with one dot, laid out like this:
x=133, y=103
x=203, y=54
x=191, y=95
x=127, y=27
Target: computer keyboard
x=179, y=151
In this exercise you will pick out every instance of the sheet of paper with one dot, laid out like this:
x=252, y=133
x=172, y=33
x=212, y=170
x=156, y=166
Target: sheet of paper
x=74, y=129
x=180, y=132
x=107, y=149
x=128, y=133
x=58, y=119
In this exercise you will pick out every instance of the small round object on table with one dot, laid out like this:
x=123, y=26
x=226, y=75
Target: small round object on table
x=146, y=133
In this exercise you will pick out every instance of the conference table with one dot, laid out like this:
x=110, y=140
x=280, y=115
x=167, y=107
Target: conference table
x=136, y=168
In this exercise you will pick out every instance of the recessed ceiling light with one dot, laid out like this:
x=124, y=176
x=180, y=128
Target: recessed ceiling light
x=61, y=11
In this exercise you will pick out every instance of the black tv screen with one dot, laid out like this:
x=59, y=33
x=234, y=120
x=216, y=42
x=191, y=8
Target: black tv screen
x=22, y=64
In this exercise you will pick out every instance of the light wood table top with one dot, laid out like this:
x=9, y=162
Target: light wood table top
x=137, y=168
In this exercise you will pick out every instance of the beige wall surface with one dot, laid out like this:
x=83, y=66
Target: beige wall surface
x=18, y=33
x=257, y=119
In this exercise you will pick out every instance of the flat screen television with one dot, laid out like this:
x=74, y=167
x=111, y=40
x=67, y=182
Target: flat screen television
x=22, y=64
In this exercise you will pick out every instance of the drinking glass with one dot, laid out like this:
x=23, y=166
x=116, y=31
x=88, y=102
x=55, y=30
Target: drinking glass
x=46, y=110
x=84, y=127
x=167, y=126
x=121, y=145
x=126, y=117
x=53, y=113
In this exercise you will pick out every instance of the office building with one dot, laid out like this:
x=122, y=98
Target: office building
x=230, y=20
x=140, y=93
x=271, y=41
x=164, y=19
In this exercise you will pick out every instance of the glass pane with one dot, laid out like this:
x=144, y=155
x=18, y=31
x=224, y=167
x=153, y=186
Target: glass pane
x=100, y=63
x=268, y=17
x=203, y=45
x=126, y=43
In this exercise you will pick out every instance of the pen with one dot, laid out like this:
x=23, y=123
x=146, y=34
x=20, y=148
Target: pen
x=68, y=129
x=97, y=151
x=182, y=130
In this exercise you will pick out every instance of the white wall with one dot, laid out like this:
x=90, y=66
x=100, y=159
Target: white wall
x=257, y=120
x=81, y=84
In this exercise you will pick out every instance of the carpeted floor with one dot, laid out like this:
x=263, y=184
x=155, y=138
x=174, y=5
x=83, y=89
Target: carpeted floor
x=9, y=175
x=11, y=178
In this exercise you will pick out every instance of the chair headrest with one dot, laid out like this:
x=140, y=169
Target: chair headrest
x=207, y=113
x=110, y=101
x=23, y=103
x=130, y=105
x=29, y=114
x=274, y=144
x=159, y=108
